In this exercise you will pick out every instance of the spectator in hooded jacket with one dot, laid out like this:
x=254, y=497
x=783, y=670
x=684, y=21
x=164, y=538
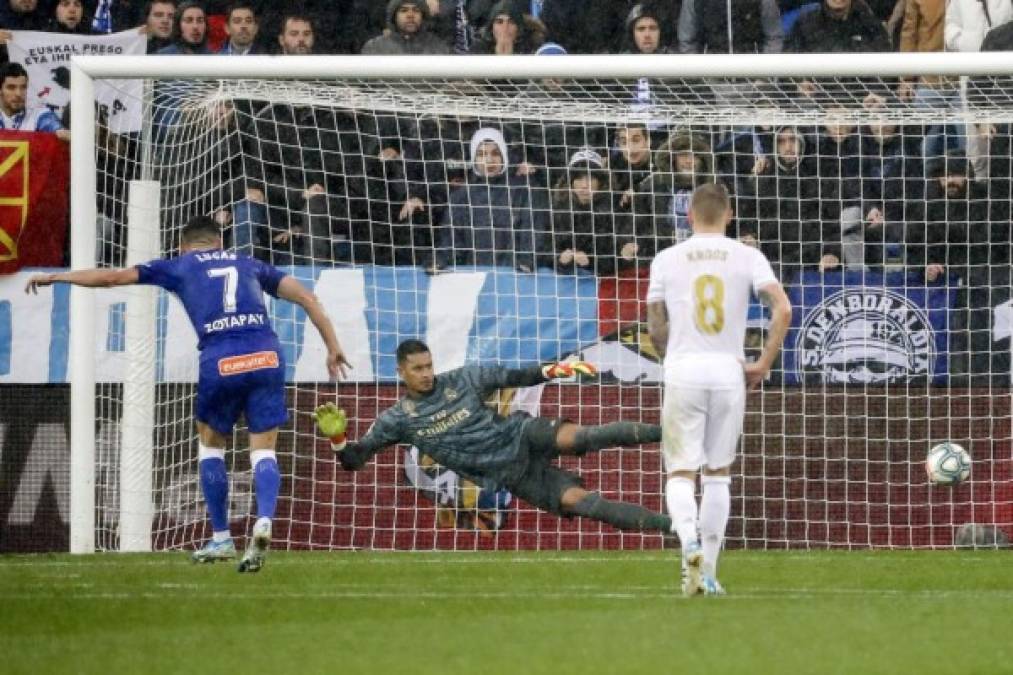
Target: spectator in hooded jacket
x=459, y=22
x=509, y=31
x=756, y=27
x=781, y=210
x=69, y=17
x=494, y=217
x=661, y=201
x=645, y=31
x=408, y=24
x=587, y=234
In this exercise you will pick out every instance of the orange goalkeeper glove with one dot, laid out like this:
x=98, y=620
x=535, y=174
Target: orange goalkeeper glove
x=555, y=371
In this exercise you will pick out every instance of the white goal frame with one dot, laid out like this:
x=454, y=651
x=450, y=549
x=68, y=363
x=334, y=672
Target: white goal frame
x=135, y=480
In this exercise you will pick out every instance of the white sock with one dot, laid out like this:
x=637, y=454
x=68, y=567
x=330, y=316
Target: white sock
x=219, y=537
x=714, y=507
x=680, y=496
x=262, y=521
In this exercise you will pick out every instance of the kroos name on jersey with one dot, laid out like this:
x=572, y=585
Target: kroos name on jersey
x=866, y=335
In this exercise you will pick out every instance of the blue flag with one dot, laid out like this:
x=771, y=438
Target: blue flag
x=103, y=21
x=868, y=328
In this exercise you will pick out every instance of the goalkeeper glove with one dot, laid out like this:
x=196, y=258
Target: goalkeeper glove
x=332, y=422
x=554, y=371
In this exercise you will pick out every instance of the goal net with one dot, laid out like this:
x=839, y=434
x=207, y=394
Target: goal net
x=512, y=220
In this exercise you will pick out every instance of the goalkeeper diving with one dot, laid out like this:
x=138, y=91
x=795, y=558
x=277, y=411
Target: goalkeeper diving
x=446, y=417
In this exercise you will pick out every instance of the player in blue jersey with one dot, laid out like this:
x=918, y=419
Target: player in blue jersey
x=241, y=366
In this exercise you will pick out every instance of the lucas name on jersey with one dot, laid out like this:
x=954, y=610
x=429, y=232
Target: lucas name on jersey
x=235, y=321
x=215, y=255
x=706, y=254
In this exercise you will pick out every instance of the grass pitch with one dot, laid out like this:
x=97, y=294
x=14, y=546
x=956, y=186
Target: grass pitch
x=351, y=612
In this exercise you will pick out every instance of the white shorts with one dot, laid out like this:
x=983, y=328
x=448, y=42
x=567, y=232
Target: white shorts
x=701, y=426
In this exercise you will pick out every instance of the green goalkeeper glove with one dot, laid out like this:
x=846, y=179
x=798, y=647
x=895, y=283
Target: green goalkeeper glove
x=568, y=369
x=332, y=423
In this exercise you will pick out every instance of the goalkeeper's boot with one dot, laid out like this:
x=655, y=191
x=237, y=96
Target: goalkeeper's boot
x=215, y=551
x=260, y=541
x=712, y=586
x=692, y=566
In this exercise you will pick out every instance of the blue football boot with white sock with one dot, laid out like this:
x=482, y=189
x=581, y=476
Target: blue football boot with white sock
x=712, y=586
x=215, y=551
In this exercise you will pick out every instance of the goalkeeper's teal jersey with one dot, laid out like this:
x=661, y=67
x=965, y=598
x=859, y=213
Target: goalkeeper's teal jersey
x=455, y=426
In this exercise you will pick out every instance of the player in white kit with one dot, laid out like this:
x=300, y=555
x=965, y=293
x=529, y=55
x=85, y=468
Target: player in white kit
x=697, y=305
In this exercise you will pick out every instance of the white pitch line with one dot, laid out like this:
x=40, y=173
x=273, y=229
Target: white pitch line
x=400, y=594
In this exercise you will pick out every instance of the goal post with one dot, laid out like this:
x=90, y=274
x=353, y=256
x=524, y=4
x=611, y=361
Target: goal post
x=822, y=468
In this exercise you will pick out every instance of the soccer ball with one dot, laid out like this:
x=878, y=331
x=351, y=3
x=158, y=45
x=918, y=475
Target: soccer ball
x=948, y=464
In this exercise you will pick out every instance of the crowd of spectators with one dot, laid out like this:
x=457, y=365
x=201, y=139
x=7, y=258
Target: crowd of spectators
x=325, y=185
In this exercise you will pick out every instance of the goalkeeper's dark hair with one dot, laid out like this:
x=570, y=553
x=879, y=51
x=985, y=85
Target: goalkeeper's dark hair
x=409, y=347
x=710, y=203
x=201, y=229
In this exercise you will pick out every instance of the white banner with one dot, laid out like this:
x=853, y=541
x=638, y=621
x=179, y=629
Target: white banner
x=46, y=57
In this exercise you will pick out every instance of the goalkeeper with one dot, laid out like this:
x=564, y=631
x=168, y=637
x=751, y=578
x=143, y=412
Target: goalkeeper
x=446, y=417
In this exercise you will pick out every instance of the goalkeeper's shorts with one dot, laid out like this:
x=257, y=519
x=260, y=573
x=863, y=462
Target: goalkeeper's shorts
x=542, y=484
x=250, y=384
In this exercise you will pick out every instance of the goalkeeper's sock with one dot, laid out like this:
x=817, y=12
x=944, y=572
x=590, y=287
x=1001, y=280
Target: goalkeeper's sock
x=620, y=514
x=214, y=483
x=715, y=504
x=614, y=435
x=681, y=500
x=266, y=481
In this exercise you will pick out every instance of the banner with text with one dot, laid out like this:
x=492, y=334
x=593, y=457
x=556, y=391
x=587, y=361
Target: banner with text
x=867, y=328
x=46, y=57
x=476, y=316
x=34, y=194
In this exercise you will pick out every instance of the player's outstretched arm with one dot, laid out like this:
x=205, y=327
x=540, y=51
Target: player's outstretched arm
x=93, y=278
x=772, y=295
x=290, y=289
x=490, y=378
